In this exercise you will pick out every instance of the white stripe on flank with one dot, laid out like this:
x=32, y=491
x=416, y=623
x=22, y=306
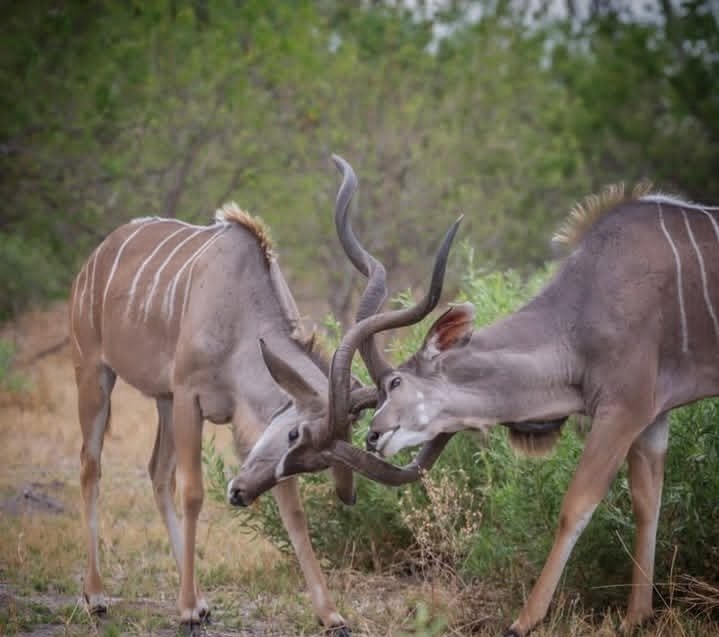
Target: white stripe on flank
x=198, y=254
x=703, y=272
x=682, y=312
x=186, y=224
x=73, y=313
x=140, y=270
x=714, y=222
x=674, y=200
x=92, y=283
x=81, y=297
x=168, y=303
x=120, y=250
x=158, y=272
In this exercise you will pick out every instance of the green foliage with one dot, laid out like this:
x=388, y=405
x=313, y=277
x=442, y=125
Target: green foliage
x=129, y=109
x=28, y=272
x=10, y=381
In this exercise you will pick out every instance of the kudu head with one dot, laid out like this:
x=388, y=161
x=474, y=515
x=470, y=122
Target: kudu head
x=312, y=431
x=415, y=399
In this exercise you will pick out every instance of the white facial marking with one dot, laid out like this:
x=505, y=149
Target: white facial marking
x=229, y=488
x=169, y=300
x=120, y=250
x=422, y=410
x=143, y=265
x=394, y=441
x=680, y=290
x=384, y=404
x=158, y=272
x=703, y=273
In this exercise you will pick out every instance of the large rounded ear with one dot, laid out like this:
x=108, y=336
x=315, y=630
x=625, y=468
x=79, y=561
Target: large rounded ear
x=452, y=329
x=287, y=376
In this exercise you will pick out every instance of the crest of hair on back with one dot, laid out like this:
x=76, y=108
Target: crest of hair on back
x=231, y=212
x=587, y=212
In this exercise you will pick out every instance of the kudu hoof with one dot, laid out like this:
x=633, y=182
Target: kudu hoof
x=96, y=605
x=190, y=629
x=338, y=631
x=512, y=633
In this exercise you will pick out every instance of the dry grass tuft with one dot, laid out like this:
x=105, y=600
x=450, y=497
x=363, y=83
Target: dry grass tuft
x=444, y=525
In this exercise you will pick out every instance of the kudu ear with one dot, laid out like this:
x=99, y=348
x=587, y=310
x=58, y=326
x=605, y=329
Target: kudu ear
x=286, y=376
x=452, y=329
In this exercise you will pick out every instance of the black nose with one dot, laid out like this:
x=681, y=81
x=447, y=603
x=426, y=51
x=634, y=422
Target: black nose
x=236, y=498
x=372, y=438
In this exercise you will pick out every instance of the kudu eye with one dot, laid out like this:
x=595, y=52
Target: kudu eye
x=294, y=434
x=395, y=382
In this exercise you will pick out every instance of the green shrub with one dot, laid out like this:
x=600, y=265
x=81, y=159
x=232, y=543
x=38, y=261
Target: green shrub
x=10, y=381
x=28, y=272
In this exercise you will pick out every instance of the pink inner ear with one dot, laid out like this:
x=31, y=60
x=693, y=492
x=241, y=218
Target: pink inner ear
x=454, y=325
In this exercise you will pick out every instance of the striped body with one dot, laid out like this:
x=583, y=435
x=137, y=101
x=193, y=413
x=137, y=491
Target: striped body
x=624, y=332
x=178, y=311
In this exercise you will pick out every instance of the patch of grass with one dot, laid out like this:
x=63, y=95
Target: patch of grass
x=11, y=381
x=20, y=615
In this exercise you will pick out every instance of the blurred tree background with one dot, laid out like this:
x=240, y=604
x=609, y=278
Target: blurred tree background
x=506, y=110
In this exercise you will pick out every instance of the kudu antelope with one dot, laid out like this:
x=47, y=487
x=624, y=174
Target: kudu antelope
x=177, y=311
x=626, y=330
x=288, y=447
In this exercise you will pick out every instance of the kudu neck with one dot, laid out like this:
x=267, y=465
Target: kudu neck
x=536, y=326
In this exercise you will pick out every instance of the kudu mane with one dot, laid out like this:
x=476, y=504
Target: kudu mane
x=231, y=212
x=584, y=214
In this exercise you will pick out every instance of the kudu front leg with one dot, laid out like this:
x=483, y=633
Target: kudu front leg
x=604, y=452
x=293, y=517
x=162, y=467
x=187, y=430
x=646, y=477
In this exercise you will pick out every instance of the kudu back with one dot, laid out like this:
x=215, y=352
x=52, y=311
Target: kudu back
x=178, y=311
x=626, y=330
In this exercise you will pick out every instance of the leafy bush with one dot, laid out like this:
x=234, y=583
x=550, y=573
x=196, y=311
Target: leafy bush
x=27, y=273
x=515, y=501
x=10, y=381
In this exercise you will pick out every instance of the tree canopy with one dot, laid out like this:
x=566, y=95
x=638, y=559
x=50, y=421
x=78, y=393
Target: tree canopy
x=507, y=111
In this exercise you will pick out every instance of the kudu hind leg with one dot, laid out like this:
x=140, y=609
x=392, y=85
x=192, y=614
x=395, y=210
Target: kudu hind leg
x=606, y=448
x=162, y=472
x=94, y=386
x=646, y=477
x=293, y=517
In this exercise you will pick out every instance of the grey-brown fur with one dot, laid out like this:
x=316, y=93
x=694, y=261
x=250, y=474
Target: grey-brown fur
x=624, y=332
x=178, y=311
